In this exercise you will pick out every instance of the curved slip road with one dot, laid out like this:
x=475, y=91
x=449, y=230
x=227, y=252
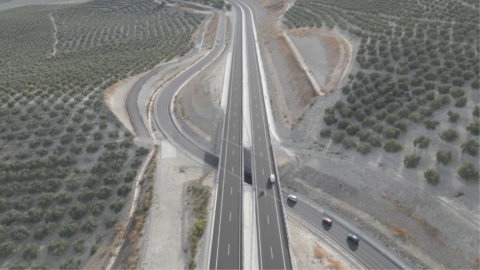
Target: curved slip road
x=162, y=111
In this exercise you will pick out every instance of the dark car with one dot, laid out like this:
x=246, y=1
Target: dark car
x=353, y=238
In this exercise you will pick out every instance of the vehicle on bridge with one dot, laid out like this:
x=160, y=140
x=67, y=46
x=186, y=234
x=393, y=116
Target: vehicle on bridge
x=292, y=198
x=272, y=178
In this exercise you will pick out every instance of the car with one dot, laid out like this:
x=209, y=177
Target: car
x=353, y=238
x=292, y=198
x=327, y=221
x=272, y=178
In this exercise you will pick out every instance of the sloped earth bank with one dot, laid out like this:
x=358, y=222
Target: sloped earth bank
x=325, y=52
x=431, y=227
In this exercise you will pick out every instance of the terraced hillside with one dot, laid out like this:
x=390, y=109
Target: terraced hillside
x=66, y=163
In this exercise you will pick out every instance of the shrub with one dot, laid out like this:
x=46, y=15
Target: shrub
x=453, y=116
x=117, y=205
x=46, y=199
x=349, y=143
x=85, y=195
x=33, y=215
x=378, y=127
x=11, y=217
x=444, y=156
x=325, y=132
x=375, y=141
x=330, y=119
x=111, y=220
x=468, y=172
x=476, y=111
x=368, y=122
x=93, y=249
x=79, y=245
x=40, y=267
x=68, y=229
x=88, y=225
x=448, y=135
x=31, y=251
x=432, y=177
x=111, y=179
x=461, y=102
x=129, y=176
x=124, y=189
x=72, y=263
x=19, y=233
x=338, y=136
x=431, y=124
x=343, y=124
x=353, y=129
x=393, y=146
x=7, y=249
x=364, y=149
x=58, y=247
x=456, y=93
x=19, y=266
x=3, y=232
x=474, y=128
x=142, y=151
x=391, y=133
x=72, y=184
x=411, y=161
x=422, y=141
x=470, y=147
x=363, y=135
x=78, y=211
x=98, y=206
x=63, y=197
x=43, y=229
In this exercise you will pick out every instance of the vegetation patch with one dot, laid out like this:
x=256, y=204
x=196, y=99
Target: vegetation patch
x=199, y=195
x=66, y=162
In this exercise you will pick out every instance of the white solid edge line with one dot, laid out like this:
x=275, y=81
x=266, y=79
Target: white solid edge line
x=266, y=125
x=266, y=95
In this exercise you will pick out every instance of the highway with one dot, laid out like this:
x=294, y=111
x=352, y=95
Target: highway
x=271, y=234
x=365, y=252
x=273, y=249
x=225, y=252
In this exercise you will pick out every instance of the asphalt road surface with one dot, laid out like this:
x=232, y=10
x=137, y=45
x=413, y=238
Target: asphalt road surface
x=164, y=119
x=226, y=246
x=271, y=234
x=367, y=254
x=132, y=98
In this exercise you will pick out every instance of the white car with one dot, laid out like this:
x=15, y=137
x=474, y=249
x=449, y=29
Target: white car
x=272, y=178
x=292, y=198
